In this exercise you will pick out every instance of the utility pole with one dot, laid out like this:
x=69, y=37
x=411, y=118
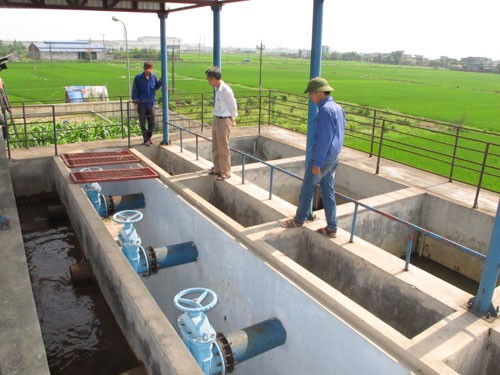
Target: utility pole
x=260, y=48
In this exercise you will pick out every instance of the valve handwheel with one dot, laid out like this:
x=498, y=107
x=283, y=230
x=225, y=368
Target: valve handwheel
x=128, y=217
x=195, y=304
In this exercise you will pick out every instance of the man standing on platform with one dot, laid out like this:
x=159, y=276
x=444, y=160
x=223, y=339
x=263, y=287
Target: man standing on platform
x=143, y=96
x=225, y=113
x=324, y=158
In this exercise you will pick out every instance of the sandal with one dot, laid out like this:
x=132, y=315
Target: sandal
x=328, y=232
x=212, y=172
x=221, y=177
x=291, y=223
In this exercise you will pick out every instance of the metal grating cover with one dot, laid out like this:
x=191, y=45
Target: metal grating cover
x=87, y=159
x=110, y=175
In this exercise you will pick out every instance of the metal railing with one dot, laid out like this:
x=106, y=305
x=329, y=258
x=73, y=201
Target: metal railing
x=455, y=152
x=413, y=228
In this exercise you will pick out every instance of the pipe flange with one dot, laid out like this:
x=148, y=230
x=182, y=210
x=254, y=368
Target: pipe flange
x=227, y=353
x=110, y=205
x=152, y=260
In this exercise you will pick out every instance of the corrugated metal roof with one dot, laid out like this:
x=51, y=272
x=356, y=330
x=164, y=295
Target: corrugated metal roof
x=59, y=46
x=137, y=6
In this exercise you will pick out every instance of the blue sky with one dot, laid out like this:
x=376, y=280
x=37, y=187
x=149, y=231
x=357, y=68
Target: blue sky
x=453, y=28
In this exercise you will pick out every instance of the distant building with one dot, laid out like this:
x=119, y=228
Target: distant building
x=52, y=50
x=478, y=64
x=144, y=42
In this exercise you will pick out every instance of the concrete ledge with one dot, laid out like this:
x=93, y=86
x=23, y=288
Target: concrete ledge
x=146, y=328
x=22, y=350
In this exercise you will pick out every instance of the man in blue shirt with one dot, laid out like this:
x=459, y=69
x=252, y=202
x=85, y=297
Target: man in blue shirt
x=325, y=150
x=143, y=96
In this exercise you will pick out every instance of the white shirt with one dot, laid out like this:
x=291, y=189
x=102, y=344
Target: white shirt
x=225, y=103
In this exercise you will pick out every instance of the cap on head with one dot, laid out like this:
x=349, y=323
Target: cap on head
x=148, y=65
x=318, y=84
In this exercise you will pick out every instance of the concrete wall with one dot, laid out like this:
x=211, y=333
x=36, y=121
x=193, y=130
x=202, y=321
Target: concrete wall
x=147, y=330
x=22, y=350
x=249, y=291
x=436, y=214
x=381, y=231
x=378, y=292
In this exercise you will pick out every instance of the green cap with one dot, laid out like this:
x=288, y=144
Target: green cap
x=318, y=84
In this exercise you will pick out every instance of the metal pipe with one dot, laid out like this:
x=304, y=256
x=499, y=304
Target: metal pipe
x=174, y=255
x=257, y=339
x=127, y=202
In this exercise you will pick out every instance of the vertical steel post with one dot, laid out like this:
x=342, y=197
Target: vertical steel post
x=164, y=78
x=217, y=48
x=315, y=69
x=481, y=174
x=481, y=304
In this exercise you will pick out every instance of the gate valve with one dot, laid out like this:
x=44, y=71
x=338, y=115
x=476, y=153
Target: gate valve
x=147, y=261
x=197, y=332
x=108, y=205
x=216, y=353
x=130, y=240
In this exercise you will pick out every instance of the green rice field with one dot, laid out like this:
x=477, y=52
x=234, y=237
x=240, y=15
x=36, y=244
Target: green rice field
x=468, y=103
x=462, y=98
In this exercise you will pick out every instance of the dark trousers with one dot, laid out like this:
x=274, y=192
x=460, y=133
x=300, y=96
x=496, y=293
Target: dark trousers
x=146, y=113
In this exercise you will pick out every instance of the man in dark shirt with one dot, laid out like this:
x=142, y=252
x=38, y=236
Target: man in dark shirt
x=143, y=96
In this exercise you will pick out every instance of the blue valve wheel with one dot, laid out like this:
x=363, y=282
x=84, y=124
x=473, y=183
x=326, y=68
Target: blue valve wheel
x=195, y=304
x=128, y=217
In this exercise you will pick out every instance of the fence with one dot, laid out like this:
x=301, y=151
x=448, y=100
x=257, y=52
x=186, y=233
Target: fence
x=459, y=153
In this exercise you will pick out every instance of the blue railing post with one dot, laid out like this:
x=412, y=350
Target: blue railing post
x=55, y=130
x=243, y=159
x=409, y=248
x=481, y=304
x=354, y=221
x=128, y=122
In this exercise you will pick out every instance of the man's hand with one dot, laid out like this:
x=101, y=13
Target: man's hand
x=316, y=170
x=233, y=122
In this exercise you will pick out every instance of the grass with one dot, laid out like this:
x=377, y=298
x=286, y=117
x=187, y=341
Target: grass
x=461, y=98
x=465, y=99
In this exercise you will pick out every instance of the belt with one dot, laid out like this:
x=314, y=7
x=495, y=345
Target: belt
x=223, y=116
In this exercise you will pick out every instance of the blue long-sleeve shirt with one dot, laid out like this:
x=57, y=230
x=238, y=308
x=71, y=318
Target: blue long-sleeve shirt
x=329, y=136
x=144, y=90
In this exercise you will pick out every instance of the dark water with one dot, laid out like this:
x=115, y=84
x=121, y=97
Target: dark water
x=444, y=273
x=79, y=332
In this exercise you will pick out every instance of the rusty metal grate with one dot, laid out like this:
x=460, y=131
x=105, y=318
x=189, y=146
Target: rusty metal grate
x=110, y=175
x=88, y=159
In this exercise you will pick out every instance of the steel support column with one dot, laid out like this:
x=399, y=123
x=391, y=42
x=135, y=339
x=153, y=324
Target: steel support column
x=482, y=304
x=217, y=48
x=164, y=77
x=315, y=69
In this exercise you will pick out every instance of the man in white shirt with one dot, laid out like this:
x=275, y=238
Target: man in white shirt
x=225, y=113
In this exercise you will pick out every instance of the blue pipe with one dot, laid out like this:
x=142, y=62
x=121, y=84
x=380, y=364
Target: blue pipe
x=108, y=205
x=257, y=339
x=481, y=304
x=128, y=202
x=217, y=46
x=175, y=255
x=164, y=77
